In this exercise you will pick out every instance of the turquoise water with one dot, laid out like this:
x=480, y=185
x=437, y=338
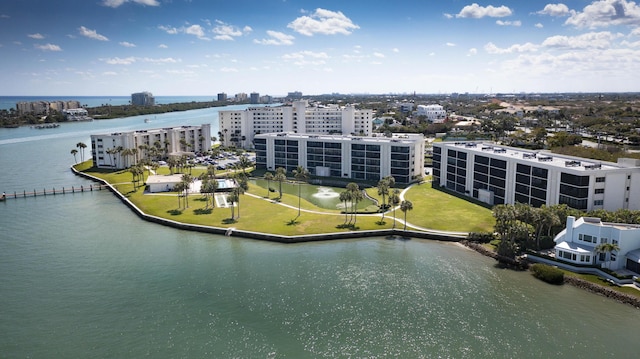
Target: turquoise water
x=80, y=276
x=7, y=102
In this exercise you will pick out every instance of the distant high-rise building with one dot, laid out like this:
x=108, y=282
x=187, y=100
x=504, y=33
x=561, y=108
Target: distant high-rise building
x=241, y=97
x=254, y=97
x=143, y=99
x=296, y=95
x=222, y=97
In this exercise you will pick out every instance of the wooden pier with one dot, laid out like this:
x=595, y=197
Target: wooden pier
x=52, y=192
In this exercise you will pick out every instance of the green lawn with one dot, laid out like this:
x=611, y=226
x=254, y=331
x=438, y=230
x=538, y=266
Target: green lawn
x=603, y=282
x=266, y=215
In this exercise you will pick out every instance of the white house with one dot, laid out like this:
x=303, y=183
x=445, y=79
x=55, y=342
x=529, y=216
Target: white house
x=433, y=113
x=578, y=241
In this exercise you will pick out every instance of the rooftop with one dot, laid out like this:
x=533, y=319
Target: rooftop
x=539, y=157
x=396, y=137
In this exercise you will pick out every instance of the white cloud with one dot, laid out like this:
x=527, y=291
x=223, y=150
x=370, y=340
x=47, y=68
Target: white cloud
x=48, y=47
x=555, y=10
x=168, y=29
x=163, y=46
x=476, y=11
x=127, y=44
x=110, y=73
x=450, y=44
x=491, y=48
x=325, y=22
x=229, y=69
x=228, y=32
x=598, y=40
x=604, y=13
x=538, y=25
x=396, y=50
x=36, y=36
x=303, y=58
x=92, y=34
x=509, y=23
x=165, y=60
x=117, y=3
x=195, y=30
x=277, y=38
x=472, y=51
x=120, y=61
x=378, y=55
x=448, y=16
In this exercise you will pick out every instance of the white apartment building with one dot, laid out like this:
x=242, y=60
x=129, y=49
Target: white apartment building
x=506, y=175
x=433, y=113
x=578, y=241
x=170, y=141
x=344, y=156
x=143, y=99
x=239, y=127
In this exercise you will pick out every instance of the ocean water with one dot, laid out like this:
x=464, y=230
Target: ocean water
x=81, y=276
x=7, y=102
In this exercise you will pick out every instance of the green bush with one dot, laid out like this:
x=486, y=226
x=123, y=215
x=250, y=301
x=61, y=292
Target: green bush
x=480, y=237
x=495, y=242
x=547, y=273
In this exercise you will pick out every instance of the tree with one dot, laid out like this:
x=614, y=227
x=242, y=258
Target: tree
x=186, y=179
x=355, y=197
x=269, y=177
x=179, y=187
x=208, y=188
x=281, y=176
x=244, y=162
x=301, y=175
x=345, y=197
x=405, y=206
x=607, y=249
x=135, y=171
x=240, y=189
x=81, y=146
x=233, y=198
x=394, y=200
x=74, y=152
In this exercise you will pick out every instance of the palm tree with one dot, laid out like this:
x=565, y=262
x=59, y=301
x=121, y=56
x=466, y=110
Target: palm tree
x=74, y=152
x=301, y=175
x=345, y=197
x=383, y=190
x=179, y=187
x=81, y=146
x=269, y=177
x=281, y=176
x=208, y=188
x=135, y=171
x=394, y=200
x=240, y=189
x=404, y=207
x=356, y=196
x=233, y=198
x=607, y=248
x=244, y=163
x=186, y=179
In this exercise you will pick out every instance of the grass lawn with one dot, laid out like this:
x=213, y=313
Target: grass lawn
x=266, y=215
x=438, y=210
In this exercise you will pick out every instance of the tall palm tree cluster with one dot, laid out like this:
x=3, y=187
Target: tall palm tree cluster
x=350, y=197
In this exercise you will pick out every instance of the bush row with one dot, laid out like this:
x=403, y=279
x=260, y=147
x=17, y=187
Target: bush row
x=547, y=273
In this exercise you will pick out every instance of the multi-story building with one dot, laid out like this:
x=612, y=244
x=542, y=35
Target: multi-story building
x=254, y=98
x=295, y=95
x=354, y=157
x=143, y=99
x=238, y=127
x=170, y=141
x=577, y=243
x=222, y=97
x=44, y=107
x=505, y=175
x=241, y=97
x=433, y=113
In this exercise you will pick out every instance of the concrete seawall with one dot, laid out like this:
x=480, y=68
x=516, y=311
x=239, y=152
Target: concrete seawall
x=268, y=236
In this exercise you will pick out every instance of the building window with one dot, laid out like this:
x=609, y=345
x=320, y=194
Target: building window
x=598, y=202
x=599, y=191
x=600, y=179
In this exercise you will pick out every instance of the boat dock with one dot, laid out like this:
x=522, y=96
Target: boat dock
x=52, y=192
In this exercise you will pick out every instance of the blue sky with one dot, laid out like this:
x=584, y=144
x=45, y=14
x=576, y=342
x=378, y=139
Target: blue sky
x=202, y=47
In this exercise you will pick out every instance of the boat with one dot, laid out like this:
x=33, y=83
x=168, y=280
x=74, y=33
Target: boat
x=146, y=120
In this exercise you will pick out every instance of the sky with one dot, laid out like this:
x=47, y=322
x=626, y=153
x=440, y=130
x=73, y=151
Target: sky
x=204, y=47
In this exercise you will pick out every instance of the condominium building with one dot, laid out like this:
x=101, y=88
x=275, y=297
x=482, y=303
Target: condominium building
x=170, y=141
x=239, y=127
x=45, y=107
x=433, y=113
x=505, y=175
x=344, y=156
x=143, y=99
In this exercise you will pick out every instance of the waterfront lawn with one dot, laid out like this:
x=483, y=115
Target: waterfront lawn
x=438, y=210
x=603, y=282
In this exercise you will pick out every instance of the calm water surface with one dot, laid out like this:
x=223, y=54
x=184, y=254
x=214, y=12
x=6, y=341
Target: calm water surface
x=80, y=276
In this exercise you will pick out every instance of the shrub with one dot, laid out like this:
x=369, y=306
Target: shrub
x=547, y=273
x=479, y=237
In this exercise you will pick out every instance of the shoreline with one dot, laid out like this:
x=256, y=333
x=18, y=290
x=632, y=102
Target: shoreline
x=231, y=232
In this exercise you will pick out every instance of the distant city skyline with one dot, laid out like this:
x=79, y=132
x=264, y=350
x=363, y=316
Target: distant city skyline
x=272, y=47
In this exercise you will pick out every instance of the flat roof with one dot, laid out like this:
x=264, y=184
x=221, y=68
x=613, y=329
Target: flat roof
x=400, y=137
x=535, y=157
